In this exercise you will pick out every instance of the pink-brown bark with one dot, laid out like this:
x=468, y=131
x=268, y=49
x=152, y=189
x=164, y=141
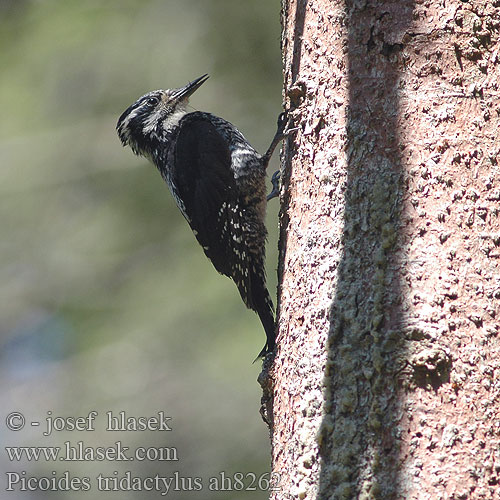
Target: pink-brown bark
x=386, y=382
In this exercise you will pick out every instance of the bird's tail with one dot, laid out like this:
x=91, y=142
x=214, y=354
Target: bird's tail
x=263, y=306
x=255, y=295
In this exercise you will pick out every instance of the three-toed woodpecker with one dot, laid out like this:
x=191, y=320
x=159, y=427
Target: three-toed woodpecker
x=218, y=181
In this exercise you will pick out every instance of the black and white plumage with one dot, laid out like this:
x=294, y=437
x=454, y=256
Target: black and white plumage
x=218, y=181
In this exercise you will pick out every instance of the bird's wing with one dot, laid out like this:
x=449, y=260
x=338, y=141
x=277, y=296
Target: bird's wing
x=206, y=185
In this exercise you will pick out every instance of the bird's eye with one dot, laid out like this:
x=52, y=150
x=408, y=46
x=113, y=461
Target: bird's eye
x=153, y=101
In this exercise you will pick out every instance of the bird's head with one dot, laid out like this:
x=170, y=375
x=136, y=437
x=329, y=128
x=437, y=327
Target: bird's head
x=154, y=114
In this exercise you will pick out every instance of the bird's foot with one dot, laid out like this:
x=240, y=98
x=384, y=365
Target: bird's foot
x=275, y=181
x=282, y=123
x=285, y=123
x=284, y=128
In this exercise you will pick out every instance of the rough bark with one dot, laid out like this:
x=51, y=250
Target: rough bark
x=386, y=381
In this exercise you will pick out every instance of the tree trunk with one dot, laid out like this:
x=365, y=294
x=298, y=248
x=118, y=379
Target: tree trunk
x=386, y=378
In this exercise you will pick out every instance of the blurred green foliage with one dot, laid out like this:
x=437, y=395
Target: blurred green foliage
x=107, y=302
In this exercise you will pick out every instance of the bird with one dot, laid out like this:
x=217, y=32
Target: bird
x=218, y=182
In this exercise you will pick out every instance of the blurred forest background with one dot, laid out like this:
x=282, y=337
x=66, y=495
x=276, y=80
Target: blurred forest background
x=107, y=301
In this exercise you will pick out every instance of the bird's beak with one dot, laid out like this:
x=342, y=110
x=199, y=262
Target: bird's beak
x=187, y=90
